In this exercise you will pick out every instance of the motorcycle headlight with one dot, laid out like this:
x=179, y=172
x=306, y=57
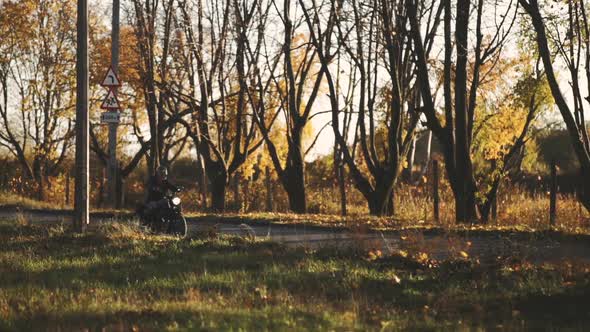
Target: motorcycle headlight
x=176, y=201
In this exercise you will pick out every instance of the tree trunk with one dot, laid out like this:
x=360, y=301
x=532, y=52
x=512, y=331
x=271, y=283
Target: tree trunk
x=465, y=203
x=465, y=200
x=462, y=185
x=40, y=189
x=408, y=172
x=489, y=208
x=378, y=204
x=269, y=192
x=38, y=179
x=118, y=189
x=246, y=191
x=342, y=186
x=202, y=181
x=427, y=154
x=295, y=188
x=391, y=205
x=67, y=189
x=584, y=190
x=236, y=189
x=381, y=198
x=486, y=208
x=218, y=180
x=101, y=191
x=293, y=176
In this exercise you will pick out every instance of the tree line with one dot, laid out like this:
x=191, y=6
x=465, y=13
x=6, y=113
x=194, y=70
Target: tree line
x=233, y=81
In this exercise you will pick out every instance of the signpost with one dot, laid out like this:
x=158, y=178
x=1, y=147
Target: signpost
x=111, y=81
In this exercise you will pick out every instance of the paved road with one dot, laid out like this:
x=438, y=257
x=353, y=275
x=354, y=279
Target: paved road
x=437, y=245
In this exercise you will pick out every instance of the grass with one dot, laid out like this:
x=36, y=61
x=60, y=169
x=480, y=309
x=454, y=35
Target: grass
x=12, y=200
x=118, y=278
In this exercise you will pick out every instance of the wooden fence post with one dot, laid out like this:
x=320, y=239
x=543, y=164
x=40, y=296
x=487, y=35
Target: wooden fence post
x=269, y=192
x=436, y=198
x=67, y=189
x=237, y=201
x=494, y=207
x=553, y=195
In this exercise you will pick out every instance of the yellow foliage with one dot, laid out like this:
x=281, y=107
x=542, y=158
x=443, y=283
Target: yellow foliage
x=501, y=130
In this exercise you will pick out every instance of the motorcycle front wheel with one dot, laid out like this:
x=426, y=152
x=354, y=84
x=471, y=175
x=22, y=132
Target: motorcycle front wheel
x=178, y=227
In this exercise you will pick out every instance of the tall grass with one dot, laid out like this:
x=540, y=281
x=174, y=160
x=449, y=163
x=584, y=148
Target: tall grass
x=11, y=199
x=413, y=204
x=517, y=207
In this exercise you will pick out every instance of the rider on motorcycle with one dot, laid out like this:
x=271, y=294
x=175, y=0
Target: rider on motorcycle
x=158, y=185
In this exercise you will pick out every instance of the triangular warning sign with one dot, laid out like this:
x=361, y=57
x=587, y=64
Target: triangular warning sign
x=111, y=79
x=110, y=102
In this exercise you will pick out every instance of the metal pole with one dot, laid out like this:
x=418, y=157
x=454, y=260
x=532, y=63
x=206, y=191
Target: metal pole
x=112, y=162
x=81, y=205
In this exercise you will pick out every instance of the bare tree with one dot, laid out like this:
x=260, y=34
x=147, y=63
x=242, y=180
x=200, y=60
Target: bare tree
x=297, y=85
x=454, y=130
x=375, y=39
x=222, y=127
x=36, y=67
x=572, y=47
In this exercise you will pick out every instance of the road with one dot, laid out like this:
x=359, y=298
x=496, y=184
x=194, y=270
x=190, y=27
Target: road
x=437, y=245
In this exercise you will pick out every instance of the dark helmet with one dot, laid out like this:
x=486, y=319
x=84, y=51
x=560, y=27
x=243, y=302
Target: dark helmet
x=162, y=172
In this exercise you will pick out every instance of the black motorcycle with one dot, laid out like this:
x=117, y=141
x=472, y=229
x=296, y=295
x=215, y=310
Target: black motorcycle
x=166, y=216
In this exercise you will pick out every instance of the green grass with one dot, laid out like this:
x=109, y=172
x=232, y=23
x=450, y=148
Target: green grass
x=118, y=278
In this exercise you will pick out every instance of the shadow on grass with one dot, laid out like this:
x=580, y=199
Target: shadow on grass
x=60, y=281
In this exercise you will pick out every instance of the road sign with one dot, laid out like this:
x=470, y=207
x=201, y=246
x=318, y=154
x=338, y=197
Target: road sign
x=111, y=79
x=110, y=102
x=110, y=117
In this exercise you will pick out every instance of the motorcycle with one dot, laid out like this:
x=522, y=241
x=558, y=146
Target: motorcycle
x=166, y=216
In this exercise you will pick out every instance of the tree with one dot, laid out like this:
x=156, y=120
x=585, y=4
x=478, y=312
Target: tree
x=504, y=128
x=375, y=39
x=297, y=85
x=163, y=76
x=454, y=129
x=37, y=54
x=222, y=126
x=572, y=47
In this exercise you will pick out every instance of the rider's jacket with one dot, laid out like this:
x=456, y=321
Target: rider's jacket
x=157, y=189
